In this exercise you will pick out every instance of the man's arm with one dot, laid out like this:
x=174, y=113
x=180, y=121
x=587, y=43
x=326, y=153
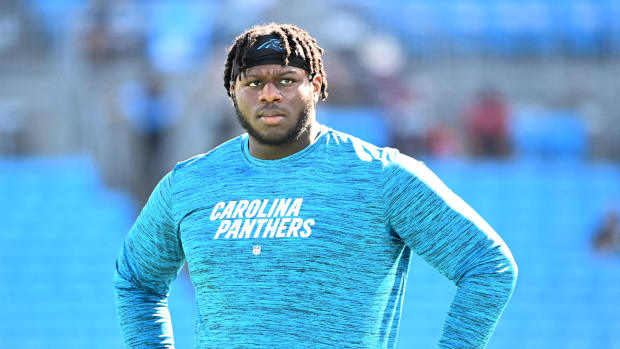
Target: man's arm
x=150, y=259
x=440, y=227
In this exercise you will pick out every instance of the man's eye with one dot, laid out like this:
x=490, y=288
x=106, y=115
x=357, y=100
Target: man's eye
x=254, y=83
x=286, y=81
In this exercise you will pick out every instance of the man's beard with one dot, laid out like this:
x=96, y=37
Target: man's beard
x=292, y=134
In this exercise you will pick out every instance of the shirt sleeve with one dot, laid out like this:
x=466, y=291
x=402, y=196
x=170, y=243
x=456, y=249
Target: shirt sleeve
x=150, y=259
x=448, y=234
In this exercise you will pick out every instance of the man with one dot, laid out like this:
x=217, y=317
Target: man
x=299, y=236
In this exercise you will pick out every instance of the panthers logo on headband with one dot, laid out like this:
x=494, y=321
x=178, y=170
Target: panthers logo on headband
x=273, y=44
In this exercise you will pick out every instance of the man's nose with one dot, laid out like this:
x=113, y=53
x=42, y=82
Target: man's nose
x=270, y=93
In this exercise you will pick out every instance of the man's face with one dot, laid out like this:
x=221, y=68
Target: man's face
x=275, y=103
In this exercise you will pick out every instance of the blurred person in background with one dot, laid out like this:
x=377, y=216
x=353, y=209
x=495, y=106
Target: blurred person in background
x=150, y=112
x=487, y=125
x=607, y=236
x=441, y=140
x=297, y=234
x=111, y=30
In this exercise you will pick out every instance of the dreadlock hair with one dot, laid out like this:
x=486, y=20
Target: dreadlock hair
x=294, y=41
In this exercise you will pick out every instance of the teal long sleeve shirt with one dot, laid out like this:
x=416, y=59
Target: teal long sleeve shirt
x=308, y=251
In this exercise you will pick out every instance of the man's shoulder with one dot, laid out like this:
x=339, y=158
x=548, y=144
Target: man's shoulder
x=222, y=152
x=360, y=149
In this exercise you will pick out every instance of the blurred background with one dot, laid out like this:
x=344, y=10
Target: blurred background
x=512, y=103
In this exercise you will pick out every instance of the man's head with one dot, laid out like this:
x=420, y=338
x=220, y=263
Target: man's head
x=274, y=75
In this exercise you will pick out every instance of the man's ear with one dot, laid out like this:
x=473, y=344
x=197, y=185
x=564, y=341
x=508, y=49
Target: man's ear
x=317, y=82
x=232, y=92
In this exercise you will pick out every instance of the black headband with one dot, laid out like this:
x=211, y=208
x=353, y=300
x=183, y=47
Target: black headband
x=268, y=50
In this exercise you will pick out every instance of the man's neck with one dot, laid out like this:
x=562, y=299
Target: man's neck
x=272, y=152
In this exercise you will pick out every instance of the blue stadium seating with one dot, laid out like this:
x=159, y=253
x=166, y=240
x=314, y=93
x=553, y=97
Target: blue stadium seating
x=505, y=27
x=549, y=134
x=61, y=233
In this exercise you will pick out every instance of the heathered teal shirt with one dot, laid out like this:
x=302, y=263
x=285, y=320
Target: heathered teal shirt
x=308, y=251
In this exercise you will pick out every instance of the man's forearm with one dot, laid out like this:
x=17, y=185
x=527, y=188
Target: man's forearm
x=143, y=316
x=482, y=294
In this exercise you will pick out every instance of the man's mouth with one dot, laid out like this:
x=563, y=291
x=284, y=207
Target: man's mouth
x=271, y=117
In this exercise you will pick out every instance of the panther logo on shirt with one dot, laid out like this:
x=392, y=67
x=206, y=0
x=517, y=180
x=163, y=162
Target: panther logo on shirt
x=277, y=218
